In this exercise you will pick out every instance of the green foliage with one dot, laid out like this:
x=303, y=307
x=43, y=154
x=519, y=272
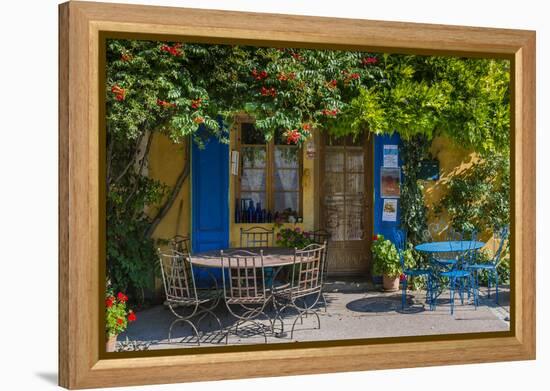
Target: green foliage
x=466, y=99
x=385, y=258
x=413, y=208
x=479, y=197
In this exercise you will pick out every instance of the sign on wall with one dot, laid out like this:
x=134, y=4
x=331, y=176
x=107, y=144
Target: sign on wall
x=391, y=155
x=390, y=180
x=389, y=211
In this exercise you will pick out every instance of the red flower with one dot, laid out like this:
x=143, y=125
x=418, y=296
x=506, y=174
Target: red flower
x=119, y=321
x=293, y=136
x=173, y=50
x=370, y=61
x=354, y=76
x=402, y=277
x=375, y=237
x=198, y=120
x=122, y=297
x=125, y=57
x=268, y=91
x=263, y=74
x=165, y=104
x=297, y=56
x=120, y=93
x=131, y=317
x=332, y=84
x=109, y=301
x=196, y=103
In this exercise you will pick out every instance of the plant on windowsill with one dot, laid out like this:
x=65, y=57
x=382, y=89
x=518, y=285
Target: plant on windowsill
x=386, y=262
x=293, y=238
x=117, y=317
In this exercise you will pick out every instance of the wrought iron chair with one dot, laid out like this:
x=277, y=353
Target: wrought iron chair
x=306, y=283
x=461, y=274
x=244, y=288
x=491, y=267
x=322, y=236
x=257, y=237
x=401, y=245
x=182, y=294
x=181, y=244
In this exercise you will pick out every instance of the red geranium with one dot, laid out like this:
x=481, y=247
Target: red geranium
x=120, y=321
x=131, y=317
x=109, y=301
x=122, y=297
x=402, y=277
x=375, y=237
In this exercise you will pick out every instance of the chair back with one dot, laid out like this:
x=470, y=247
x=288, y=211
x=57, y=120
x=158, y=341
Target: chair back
x=177, y=276
x=181, y=244
x=243, y=275
x=469, y=253
x=257, y=237
x=308, y=267
x=320, y=236
x=502, y=236
x=400, y=241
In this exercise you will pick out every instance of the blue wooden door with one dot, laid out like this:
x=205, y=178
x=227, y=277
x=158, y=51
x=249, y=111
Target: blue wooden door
x=210, y=201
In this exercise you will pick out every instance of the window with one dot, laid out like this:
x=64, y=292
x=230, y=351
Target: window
x=270, y=173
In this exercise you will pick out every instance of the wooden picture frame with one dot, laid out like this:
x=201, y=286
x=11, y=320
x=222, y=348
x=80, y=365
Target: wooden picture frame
x=81, y=365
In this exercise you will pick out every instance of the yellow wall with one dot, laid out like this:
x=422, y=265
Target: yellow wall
x=453, y=159
x=166, y=161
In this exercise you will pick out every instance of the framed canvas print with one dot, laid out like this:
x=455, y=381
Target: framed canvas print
x=245, y=195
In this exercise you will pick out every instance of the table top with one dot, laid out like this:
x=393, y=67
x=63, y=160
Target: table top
x=449, y=246
x=273, y=256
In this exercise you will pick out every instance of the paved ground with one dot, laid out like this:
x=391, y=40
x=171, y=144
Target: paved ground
x=354, y=311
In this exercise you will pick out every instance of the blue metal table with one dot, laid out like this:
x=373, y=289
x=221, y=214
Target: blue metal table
x=439, y=248
x=454, y=246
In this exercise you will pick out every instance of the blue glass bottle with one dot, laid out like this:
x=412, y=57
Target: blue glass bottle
x=250, y=212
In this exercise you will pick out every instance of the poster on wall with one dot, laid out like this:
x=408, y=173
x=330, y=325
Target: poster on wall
x=391, y=156
x=389, y=211
x=390, y=180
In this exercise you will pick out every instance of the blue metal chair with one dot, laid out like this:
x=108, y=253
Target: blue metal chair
x=492, y=266
x=400, y=243
x=461, y=274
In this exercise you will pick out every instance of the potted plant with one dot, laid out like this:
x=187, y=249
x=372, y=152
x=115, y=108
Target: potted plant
x=386, y=262
x=117, y=317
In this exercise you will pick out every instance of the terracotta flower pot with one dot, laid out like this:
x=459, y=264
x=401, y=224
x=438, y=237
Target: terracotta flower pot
x=390, y=284
x=111, y=344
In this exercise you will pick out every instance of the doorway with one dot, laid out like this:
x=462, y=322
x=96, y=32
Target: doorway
x=346, y=194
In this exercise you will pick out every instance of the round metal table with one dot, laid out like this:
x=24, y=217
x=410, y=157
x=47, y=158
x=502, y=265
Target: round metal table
x=273, y=256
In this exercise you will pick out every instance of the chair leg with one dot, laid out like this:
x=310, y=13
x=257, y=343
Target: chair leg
x=452, y=294
x=404, y=293
x=496, y=285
